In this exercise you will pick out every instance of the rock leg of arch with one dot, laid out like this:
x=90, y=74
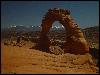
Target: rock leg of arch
x=75, y=42
x=44, y=43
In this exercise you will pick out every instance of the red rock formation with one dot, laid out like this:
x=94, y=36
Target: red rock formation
x=75, y=42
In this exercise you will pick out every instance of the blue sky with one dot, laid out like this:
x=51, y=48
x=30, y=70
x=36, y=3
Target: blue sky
x=85, y=13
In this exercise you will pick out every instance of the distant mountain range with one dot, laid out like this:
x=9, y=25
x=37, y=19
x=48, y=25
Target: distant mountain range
x=31, y=28
x=23, y=28
x=88, y=31
x=91, y=32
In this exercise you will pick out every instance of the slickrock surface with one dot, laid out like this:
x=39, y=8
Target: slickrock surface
x=19, y=60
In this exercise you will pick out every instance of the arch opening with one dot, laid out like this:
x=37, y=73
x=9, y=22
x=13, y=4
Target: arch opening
x=57, y=34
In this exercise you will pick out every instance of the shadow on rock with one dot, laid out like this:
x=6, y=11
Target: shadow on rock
x=95, y=54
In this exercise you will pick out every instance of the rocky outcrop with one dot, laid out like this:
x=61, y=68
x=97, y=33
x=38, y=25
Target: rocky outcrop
x=56, y=50
x=75, y=41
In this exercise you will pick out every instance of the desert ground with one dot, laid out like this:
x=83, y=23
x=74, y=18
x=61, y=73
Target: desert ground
x=24, y=60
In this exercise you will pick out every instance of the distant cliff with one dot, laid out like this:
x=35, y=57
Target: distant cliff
x=92, y=35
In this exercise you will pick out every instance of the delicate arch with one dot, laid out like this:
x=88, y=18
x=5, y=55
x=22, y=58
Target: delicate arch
x=75, y=42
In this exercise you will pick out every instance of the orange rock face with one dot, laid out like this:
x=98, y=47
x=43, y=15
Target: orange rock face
x=75, y=42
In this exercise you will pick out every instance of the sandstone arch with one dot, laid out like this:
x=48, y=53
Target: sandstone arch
x=75, y=42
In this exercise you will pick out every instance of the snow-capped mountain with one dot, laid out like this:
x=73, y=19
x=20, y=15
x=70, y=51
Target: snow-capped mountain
x=30, y=28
